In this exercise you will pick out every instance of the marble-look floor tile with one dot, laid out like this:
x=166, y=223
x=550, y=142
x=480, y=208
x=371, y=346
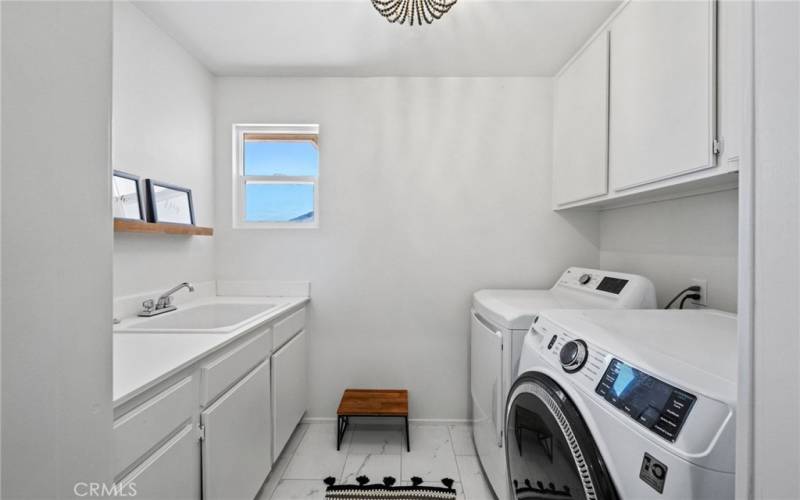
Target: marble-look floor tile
x=437, y=451
x=279, y=467
x=295, y=439
x=430, y=465
x=461, y=436
x=319, y=438
x=473, y=480
x=375, y=441
x=431, y=456
x=375, y=467
x=274, y=477
x=429, y=438
x=317, y=466
x=293, y=490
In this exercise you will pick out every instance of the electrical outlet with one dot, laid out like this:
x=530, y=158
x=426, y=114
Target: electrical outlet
x=703, y=284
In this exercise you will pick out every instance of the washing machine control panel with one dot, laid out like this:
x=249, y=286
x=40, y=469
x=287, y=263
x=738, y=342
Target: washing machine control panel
x=573, y=355
x=591, y=360
x=655, y=404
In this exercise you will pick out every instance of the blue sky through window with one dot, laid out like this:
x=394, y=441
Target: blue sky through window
x=298, y=158
x=279, y=202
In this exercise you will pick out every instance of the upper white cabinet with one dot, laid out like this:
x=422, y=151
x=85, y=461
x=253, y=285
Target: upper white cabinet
x=653, y=106
x=734, y=66
x=580, y=145
x=662, y=91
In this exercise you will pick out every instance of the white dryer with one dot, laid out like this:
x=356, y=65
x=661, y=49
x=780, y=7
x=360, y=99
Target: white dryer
x=500, y=319
x=624, y=404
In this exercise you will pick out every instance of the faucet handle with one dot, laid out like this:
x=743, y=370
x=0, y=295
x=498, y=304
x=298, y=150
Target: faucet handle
x=148, y=305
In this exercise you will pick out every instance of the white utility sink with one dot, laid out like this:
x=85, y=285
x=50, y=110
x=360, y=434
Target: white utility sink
x=216, y=317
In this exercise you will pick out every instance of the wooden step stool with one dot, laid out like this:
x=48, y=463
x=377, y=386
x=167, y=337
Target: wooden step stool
x=371, y=403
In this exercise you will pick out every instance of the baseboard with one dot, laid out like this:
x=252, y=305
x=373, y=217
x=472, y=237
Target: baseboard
x=383, y=420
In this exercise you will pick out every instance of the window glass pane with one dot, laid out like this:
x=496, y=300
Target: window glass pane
x=265, y=202
x=295, y=158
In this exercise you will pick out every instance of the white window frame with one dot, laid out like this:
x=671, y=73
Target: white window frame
x=240, y=180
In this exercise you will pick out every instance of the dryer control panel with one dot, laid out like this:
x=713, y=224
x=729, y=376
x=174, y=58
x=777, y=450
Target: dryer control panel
x=659, y=406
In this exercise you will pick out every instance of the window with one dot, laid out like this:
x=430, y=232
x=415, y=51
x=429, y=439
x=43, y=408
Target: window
x=276, y=176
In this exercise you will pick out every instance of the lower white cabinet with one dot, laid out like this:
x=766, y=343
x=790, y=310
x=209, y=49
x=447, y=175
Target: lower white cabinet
x=289, y=390
x=171, y=472
x=236, y=448
x=207, y=432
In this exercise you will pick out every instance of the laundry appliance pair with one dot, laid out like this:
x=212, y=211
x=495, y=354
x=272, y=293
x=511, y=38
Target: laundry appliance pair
x=586, y=391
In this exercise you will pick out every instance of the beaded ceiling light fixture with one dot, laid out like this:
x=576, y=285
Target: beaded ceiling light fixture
x=400, y=11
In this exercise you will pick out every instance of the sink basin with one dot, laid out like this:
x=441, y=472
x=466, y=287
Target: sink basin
x=209, y=318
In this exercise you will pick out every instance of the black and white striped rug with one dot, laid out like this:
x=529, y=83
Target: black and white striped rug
x=388, y=490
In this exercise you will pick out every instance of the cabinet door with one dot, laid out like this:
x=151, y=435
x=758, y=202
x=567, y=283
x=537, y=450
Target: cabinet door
x=236, y=448
x=662, y=91
x=171, y=472
x=580, y=144
x=289, y=390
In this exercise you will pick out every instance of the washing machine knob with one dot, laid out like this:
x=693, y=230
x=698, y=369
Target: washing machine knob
x=573, y=355
x=585, y=278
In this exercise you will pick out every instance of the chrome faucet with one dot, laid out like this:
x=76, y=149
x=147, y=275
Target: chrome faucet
x=164, y=304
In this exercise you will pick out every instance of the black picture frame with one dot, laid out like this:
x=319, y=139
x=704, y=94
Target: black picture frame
x=151, y=206
x=139, y=198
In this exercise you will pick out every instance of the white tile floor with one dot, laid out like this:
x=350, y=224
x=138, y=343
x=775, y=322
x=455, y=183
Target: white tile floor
x=376, y=451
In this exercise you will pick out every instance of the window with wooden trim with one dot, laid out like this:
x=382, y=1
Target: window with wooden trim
x=276, y=172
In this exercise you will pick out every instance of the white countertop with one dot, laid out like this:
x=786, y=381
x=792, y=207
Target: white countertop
x=142, y=360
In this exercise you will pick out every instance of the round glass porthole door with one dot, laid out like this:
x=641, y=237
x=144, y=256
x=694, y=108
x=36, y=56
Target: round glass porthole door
x=549, y=451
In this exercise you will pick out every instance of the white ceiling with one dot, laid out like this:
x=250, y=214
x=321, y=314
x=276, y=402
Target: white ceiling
x=349, y=38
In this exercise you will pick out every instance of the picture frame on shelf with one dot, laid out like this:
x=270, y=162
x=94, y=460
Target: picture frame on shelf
x=169, y=203
x=126, y=196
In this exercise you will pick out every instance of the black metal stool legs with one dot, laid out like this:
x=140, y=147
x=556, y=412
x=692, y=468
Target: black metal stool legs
x=408, y=441
x=341, y=425
x=342, y=422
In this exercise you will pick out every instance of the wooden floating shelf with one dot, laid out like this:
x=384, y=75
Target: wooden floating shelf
x=137, y=226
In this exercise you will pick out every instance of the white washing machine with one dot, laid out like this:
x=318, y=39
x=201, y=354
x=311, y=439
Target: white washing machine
x=500, y=319
x=624, y=404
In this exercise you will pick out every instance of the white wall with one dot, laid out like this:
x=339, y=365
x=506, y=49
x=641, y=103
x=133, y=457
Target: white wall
x=162, y=128
x=673, y=241
x=57, y=247
x=430, y=190
x=776, y=231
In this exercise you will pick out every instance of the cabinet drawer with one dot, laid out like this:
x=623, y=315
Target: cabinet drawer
x=225, y=370
x=171, y=472
x=288, y=327
x=141, y=429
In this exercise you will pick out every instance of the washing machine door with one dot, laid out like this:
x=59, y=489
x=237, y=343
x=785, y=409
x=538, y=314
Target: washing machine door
x=550, y=452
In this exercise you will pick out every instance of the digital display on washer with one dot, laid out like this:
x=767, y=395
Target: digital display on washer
x=656, y=405
x=612, y=285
